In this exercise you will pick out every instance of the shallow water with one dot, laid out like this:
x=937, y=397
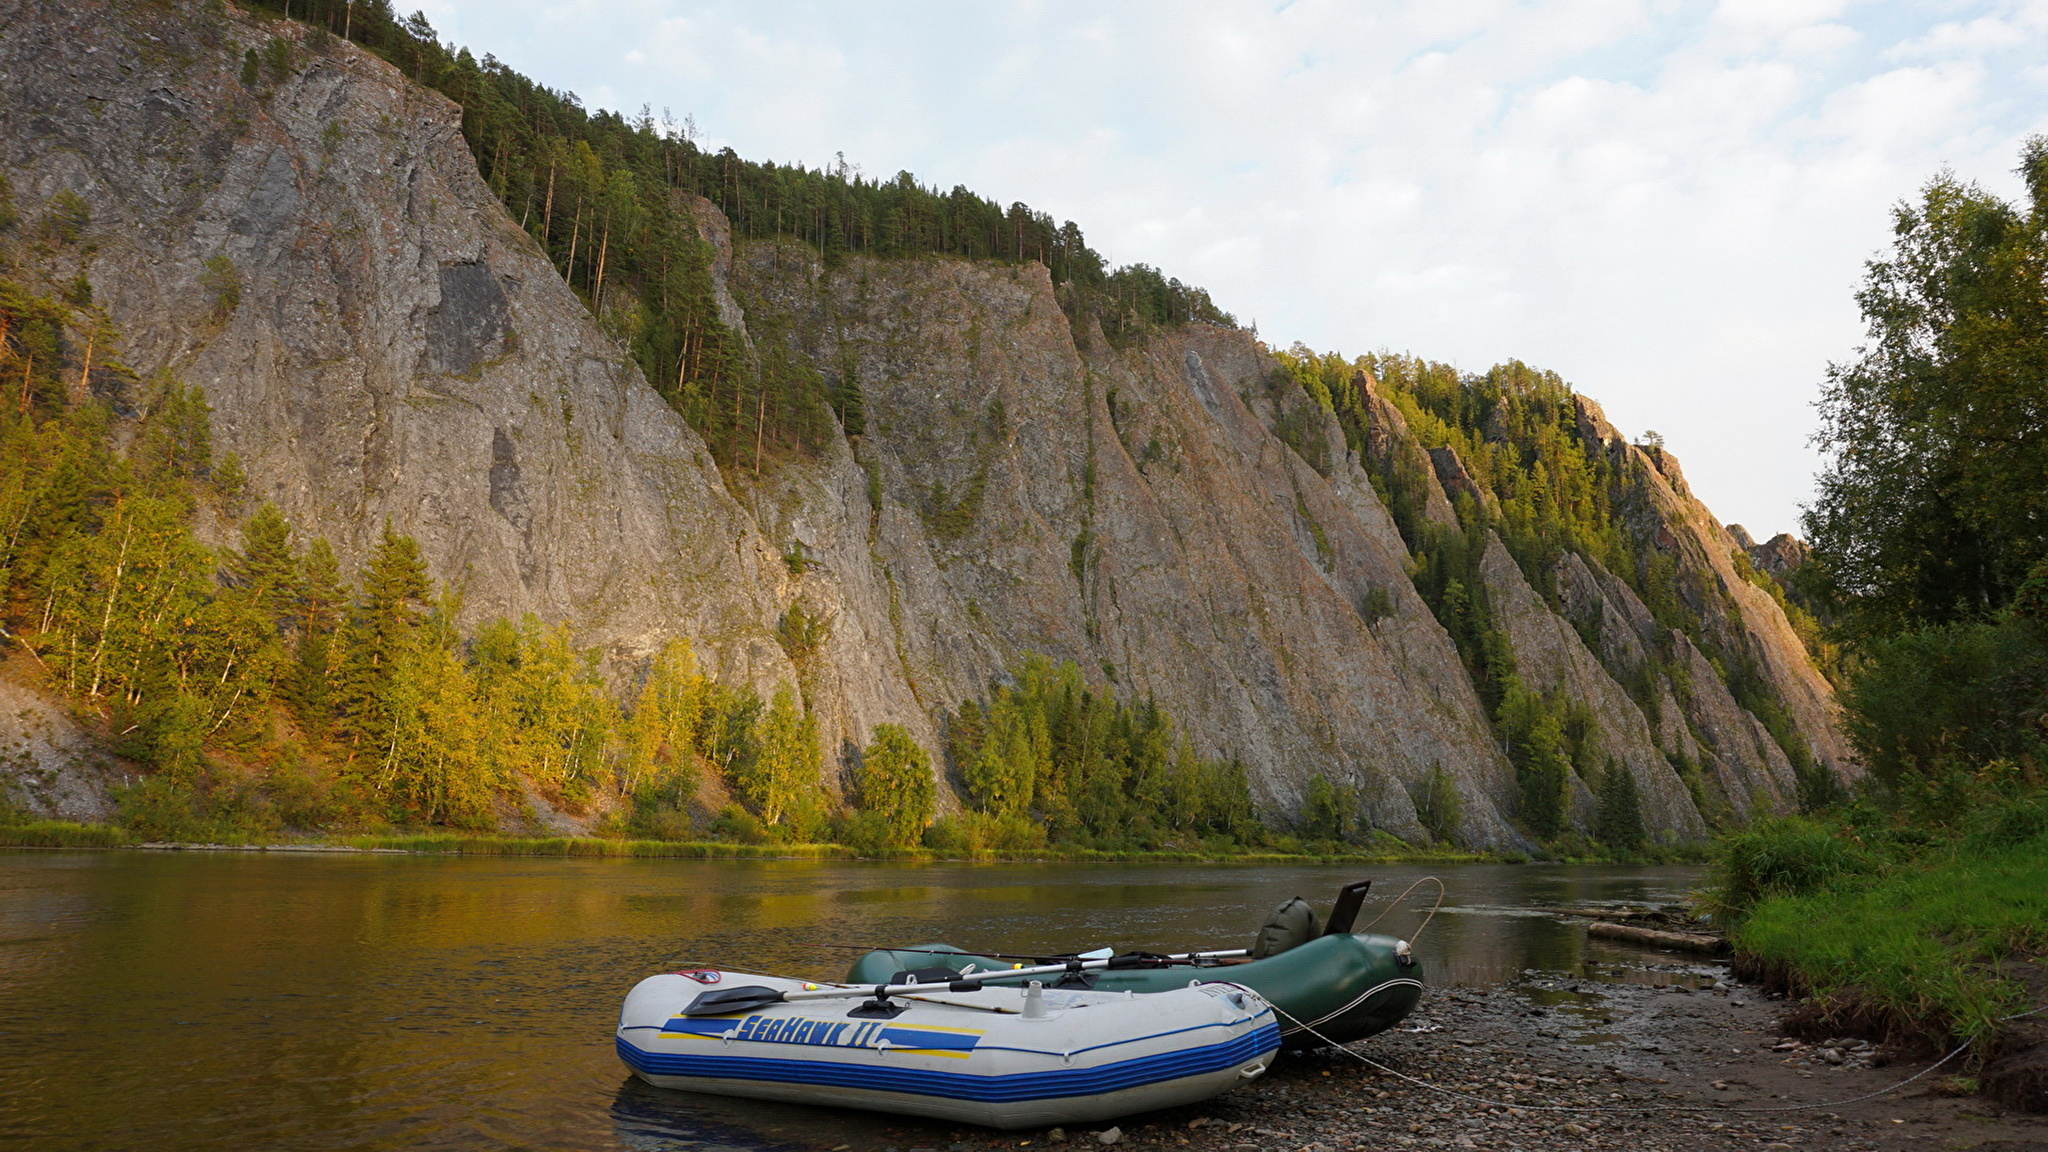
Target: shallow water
x=248, y=1000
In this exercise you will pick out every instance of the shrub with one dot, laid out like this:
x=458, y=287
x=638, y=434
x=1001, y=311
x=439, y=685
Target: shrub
x=67, y=217
x=221, y=281
x=1438, y=805
x=1789, y=857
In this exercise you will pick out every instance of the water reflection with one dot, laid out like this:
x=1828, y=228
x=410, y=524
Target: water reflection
x=294, y=1002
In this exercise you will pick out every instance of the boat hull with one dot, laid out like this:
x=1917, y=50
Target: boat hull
x=969, y=1057
x=1332, y=990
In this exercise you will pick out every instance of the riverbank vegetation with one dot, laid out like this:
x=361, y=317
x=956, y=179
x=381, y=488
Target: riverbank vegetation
x=1919, y=906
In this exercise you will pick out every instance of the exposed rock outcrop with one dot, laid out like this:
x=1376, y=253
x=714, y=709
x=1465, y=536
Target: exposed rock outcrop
x=51, y=767
x=401, y=351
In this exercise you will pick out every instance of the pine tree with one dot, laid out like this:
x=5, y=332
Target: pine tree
x=1013, y=754
x=383, y=629
x=266, y=570
x=322, y=596
x=1619, y=823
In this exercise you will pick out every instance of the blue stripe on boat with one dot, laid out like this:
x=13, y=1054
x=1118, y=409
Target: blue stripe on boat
x=961, y=1085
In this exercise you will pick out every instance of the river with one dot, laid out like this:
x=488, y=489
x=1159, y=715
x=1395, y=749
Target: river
x=231, y=1000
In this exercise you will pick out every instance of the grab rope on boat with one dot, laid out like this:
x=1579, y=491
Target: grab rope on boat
x=1396, y=902
x=1707, y=1110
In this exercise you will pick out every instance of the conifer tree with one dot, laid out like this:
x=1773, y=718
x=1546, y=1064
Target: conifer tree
x=266, y=570
x=1013, y=755
x=1619, y=823
x=322, y=596
x=383, y=629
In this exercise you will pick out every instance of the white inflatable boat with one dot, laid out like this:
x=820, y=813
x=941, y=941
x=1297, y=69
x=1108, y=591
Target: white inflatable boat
x=1003, y=1056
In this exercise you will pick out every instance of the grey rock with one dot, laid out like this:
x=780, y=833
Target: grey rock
x=403, y=352
x=51, y=766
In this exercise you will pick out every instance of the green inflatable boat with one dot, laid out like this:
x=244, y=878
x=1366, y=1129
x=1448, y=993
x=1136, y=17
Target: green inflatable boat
x=1329, y=986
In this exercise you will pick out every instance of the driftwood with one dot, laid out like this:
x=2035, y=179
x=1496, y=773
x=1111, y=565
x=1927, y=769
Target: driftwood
x=1650, y=937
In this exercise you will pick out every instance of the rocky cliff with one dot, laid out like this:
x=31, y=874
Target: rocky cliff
x=395, y=348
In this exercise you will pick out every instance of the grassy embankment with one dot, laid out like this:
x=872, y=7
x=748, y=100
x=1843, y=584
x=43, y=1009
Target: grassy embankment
x=1901, y=933
x=64, y=834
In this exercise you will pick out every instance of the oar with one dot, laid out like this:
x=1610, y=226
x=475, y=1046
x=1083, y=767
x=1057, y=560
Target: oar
x=727, y=1001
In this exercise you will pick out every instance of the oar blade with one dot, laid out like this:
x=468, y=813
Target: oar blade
x=726, y=1001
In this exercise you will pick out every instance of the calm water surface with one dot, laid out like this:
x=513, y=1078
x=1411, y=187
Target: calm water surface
x=241, y=1000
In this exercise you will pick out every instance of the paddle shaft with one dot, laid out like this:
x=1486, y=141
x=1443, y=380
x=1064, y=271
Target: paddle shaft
x=726, y=1001
x=972, y=981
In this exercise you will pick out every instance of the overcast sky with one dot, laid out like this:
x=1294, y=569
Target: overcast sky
x=1668, y=203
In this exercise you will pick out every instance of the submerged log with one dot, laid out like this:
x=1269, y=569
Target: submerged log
x=1597, y=913
x=1651, y=937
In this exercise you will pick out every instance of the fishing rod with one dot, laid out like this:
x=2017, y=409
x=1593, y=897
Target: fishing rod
x=727, y=1001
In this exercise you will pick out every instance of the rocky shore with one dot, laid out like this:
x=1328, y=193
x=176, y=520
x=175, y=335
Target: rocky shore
x=1655, y=1057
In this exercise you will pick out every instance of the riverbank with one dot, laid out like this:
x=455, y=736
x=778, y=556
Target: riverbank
x=1550, y=1061
x=64, y=834
x=1928, y=938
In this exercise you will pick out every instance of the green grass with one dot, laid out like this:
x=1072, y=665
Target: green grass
x=455, y=844
x=62, y=834
x=1889, y=940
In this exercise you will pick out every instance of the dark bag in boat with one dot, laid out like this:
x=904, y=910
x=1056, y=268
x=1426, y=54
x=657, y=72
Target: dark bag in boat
x=1290, y=926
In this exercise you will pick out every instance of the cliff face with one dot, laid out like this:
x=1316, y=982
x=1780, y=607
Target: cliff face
x=1124, y=508
x=401, y=351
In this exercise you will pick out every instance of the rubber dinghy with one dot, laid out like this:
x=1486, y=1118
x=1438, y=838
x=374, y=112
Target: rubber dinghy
x=1331, y=986
x=955, y=1049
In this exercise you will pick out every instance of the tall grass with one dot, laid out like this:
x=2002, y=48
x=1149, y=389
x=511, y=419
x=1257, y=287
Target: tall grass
x=62, y=834
x=588, y=846
x=1898, y=935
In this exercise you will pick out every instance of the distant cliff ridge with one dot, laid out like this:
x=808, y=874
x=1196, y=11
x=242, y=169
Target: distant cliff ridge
x=1264, y=548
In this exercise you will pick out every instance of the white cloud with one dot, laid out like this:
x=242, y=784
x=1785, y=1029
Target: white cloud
x=1667, y=201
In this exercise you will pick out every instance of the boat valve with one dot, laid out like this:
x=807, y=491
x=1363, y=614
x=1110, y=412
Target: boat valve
x=1402, y=956
x=1034, y=1001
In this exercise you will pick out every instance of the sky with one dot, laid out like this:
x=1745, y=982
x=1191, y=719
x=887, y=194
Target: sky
x=1670, y=204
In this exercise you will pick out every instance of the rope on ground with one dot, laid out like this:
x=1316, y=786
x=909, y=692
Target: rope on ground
x=1716, y=1109
x=1396, y=903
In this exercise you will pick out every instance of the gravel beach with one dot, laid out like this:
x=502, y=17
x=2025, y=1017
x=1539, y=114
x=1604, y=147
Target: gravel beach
x=1609, y=1060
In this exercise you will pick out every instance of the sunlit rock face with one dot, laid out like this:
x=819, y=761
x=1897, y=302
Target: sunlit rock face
x=402, y=352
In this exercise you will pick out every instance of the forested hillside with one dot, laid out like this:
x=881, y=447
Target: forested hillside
x=1522, y=458
x=382, y=461
x=265, y=691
